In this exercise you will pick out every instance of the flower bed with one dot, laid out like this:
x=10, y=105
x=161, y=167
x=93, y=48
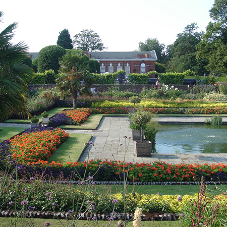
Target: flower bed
x=36, y=195
x=79, y=116
x=109, y=171
x=36, y=145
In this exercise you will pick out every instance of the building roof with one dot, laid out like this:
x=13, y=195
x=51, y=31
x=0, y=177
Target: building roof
x=133, y=55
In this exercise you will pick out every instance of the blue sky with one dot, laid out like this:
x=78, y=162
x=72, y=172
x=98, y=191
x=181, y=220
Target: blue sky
x=121, y=24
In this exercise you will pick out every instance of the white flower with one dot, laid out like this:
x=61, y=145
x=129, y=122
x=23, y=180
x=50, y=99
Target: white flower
x=137, y=217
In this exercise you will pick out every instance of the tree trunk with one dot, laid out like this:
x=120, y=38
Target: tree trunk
x=75, y=99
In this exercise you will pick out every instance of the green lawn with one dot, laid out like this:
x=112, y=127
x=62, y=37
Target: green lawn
x=157, y=189
x=71, y=149
x=38, y=222
x=8, y=132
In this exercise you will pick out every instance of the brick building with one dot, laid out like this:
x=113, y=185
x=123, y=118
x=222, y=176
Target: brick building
x=131, y=62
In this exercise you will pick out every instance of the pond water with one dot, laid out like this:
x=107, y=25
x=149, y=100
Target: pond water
x=185, y=138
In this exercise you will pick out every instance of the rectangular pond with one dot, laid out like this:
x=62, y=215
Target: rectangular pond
x=193, y=138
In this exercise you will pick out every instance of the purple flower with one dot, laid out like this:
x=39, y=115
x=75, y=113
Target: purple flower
x=24, y=202
x=25, y=189
x=70, y=211
x=94, y=218
x=110, y=219
x=11, y=202
x=31, y=208
x=115, y=201
x=53, y=204
x=47, y=224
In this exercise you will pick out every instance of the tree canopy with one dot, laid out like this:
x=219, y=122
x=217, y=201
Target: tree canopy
x=88, y=40
x=13, y=73
x=213, y=46
x=74, y=75
x=184, y=51
x=48, y=58
x=64, y=39
x=153, y=44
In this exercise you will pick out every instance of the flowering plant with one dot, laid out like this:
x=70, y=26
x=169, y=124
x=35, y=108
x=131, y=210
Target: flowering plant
x=36, y=146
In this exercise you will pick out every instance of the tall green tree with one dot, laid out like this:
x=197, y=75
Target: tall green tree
x=153, y=44
x=13, y=73
x=88, y=40
x=184, y=51
x=48, y=58
x=64, y=39
x=213, y=46
x=74, y=76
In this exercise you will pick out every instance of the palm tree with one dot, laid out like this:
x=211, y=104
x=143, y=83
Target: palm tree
x=74, y=77
x=13, y=73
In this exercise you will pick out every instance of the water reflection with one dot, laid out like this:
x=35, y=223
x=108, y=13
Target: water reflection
x=191, y=139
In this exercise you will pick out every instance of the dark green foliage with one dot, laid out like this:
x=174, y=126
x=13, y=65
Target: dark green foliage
x=171, y=78
x=13, y=73
x=64, y=39
x=135, y=78
x=27, y=61
x=35, y=64
x=108, y=78
x=75, y=77
x=49, y=58
x=48, y=77
x=184, y=51
x=94, y=66
x=160, y=68
x=213, y=47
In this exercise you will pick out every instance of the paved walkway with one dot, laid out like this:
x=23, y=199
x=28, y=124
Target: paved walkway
x=110, y=135
x=109, y=142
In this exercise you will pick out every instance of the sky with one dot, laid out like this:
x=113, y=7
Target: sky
x=121, y=24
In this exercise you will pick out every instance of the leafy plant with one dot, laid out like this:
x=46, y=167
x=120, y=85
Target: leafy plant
x=140, y=118
x=34, y=119
x=44, y=114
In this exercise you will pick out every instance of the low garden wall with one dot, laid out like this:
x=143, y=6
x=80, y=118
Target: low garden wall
x=104, y=87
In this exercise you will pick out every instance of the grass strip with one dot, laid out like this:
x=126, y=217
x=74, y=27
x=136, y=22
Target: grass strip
x=63, y=222
x=8, y=132
x=158, y=189
x=71, y=149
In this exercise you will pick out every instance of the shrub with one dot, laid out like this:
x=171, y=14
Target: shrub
x=171, y=78
x=135, y=78
x=223, y=88
x=49, y=58
x=108, y=78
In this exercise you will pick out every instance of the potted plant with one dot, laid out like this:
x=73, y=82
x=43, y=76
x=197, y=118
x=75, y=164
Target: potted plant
x=34, y=121
x=45, y=118
x=140, y=119
x=150, y=132
x=134, y=100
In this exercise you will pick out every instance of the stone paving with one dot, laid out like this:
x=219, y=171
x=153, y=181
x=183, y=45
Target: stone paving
x=110, y=144
x=110, y=135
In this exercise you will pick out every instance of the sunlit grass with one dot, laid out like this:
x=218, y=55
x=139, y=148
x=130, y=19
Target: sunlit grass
x=8, y=132
x=71, y=149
